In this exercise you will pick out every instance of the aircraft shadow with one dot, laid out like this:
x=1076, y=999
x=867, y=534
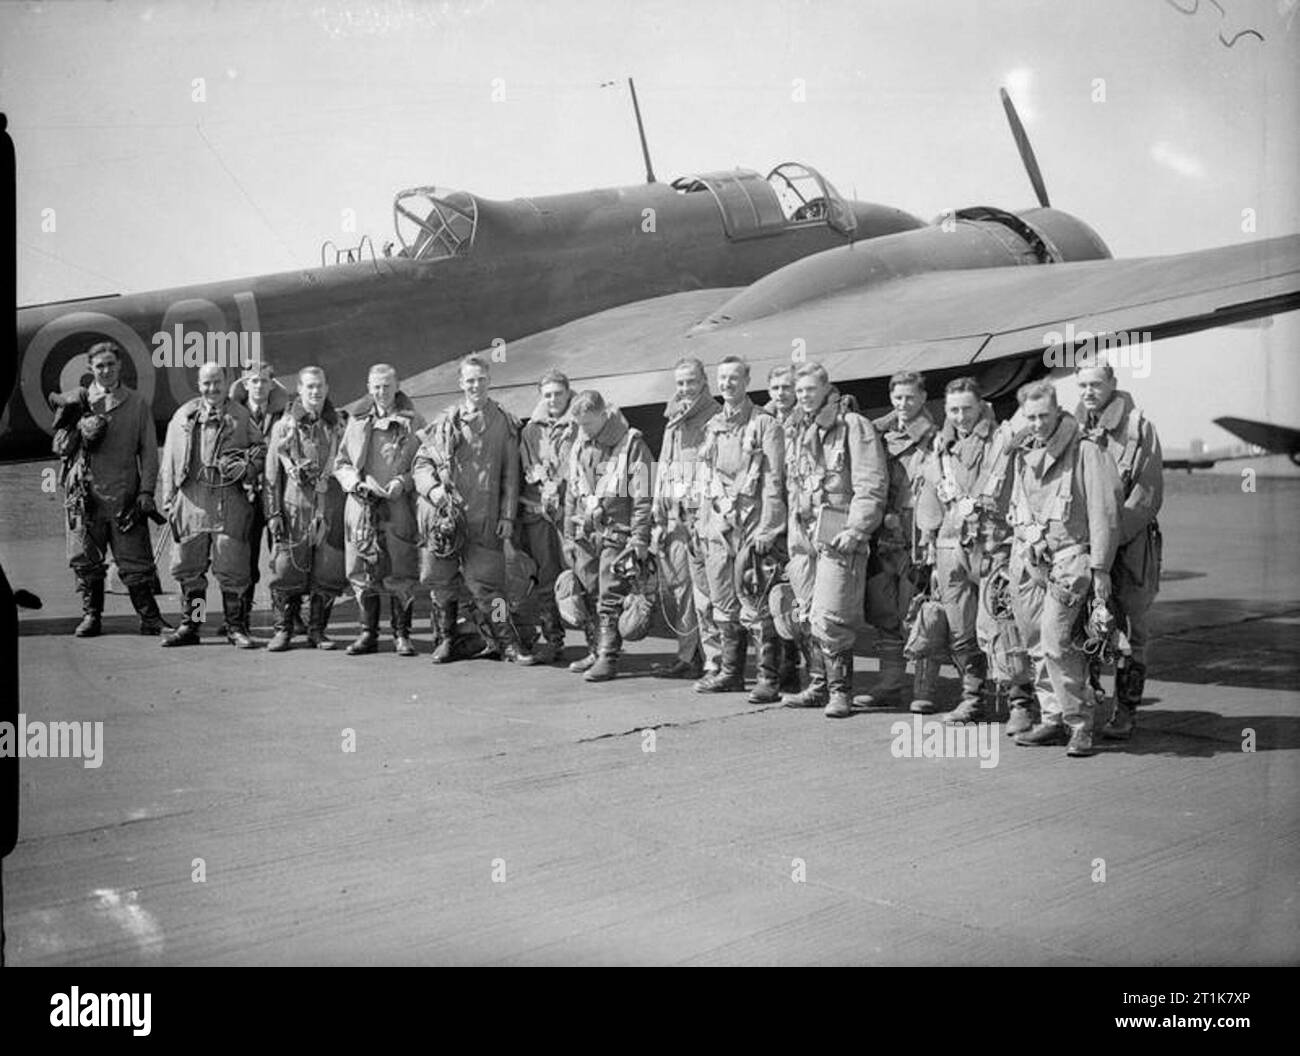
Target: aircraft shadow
x=1242, y=643
x=1204, y=734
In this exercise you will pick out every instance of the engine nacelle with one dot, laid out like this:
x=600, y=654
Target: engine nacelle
x=980, y=237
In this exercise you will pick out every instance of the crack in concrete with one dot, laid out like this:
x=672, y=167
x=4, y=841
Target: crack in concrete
x=754, y=710
x=107, y=826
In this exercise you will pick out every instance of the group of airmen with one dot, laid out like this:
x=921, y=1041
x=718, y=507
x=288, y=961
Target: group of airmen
x=785, y=526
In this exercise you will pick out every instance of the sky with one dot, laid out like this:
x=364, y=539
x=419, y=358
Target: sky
x=188, y=142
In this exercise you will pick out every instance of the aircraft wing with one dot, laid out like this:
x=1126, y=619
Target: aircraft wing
x=932, y=320
x=1275, y=439
x=623, y=351
x=1203, y=457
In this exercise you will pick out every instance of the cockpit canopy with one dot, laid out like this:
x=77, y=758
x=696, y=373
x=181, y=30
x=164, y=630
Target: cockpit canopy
x=792, y=194
x=434, y=224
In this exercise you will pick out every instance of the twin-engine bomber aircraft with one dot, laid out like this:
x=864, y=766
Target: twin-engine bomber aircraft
x=470, y=274
x=983, y=292
x=1257, y=439
x=613, y=286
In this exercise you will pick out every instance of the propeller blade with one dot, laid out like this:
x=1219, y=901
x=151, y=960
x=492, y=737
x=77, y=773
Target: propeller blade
x=1026, y=151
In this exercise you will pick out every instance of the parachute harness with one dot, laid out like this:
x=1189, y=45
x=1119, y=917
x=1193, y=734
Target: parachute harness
x=365, y=536
x=447, y=533
x=307, y=474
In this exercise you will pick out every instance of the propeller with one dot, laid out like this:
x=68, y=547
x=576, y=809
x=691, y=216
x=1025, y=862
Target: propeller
x=1026, y=151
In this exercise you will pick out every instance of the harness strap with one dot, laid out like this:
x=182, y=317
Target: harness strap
x=952, y=490
x=1061, y=500
x=1132, y=444
x=606, y=485
x=743, y=483
x=810, y=499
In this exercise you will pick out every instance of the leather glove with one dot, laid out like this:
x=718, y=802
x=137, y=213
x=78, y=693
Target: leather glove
x=145, y=504
x=844, y=542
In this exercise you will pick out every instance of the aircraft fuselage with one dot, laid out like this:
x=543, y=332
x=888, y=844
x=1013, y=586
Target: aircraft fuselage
x=534, y=264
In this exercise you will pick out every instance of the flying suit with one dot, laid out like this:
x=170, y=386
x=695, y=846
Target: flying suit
x=545, y=444
x=947, y=519
x=212, y=462
x=380, y=551
x=608, y=510
x=122, y=466
x=742, y=462
x=608, y=507
x=475, y=453
x=300, y=487
x=742, y=467
x=264, y=419
x=837, y=462
x=1127, y=435
x=676, y=512
x=889, y=579
x=1064, y=511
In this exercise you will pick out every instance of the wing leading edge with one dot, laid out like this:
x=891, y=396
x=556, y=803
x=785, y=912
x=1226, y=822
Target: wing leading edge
x=930, y=321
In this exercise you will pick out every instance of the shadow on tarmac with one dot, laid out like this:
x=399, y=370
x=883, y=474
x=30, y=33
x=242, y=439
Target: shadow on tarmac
x=1205, y=734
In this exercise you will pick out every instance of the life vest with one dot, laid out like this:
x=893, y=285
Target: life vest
x=727, y=494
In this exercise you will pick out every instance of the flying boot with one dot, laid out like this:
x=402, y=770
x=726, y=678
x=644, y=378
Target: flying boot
x=444, y=620
x=974, y=668
x=610, y=645
x=1045, y=734
x=368, y=640
x=146, y=607
x=817, y=693
x=232, y=605
x=839, y=678
x=591, y=630
x=767, y=690
x=509, y=647
x=282, y=606
x=187, y=631
x=92, y=607
x=789, y=666
x=399, y=613
x=318, y=619
x=1130, y=680
x=887, y=693
x=550, y=649
x=1024, y=708
x=923, y=686
x=731, y=674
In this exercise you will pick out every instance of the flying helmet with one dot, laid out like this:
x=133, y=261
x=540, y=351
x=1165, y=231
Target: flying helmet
x=756, y=574
x=928, y=627
x=571, y=600
x=781, y=604
x=638, y=606
x=445, y=533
